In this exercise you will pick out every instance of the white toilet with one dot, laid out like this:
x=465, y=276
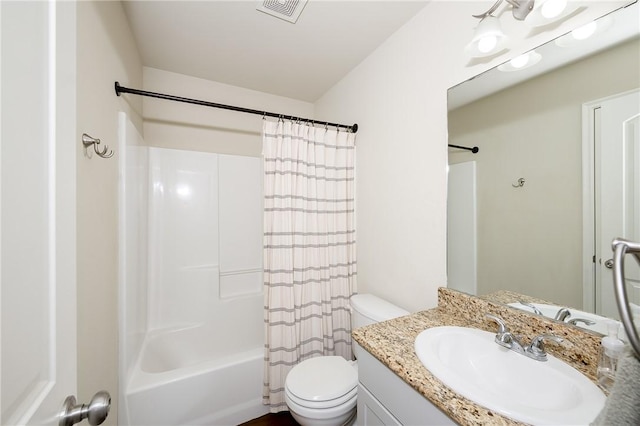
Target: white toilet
x=322, y=391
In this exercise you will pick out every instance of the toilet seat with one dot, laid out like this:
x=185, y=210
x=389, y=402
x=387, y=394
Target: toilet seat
x=345, y=410
x=322, y=404
x=322, y=383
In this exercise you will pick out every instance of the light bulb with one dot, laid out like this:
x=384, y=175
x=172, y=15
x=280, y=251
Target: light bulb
x=488, y=37
x=520, y=61
x=584, y=31
x=487, y=44
x=552, y=8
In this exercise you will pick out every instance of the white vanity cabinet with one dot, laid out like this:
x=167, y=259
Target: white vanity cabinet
x=385, y=399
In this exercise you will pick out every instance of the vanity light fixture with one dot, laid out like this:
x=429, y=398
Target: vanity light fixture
x=584, y=32
x=548, y=11
x=521, y=62
x=552, y=8
x=520, y=9
x=489, y=38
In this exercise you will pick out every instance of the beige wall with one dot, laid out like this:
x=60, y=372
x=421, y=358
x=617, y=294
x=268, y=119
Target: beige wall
x=183, y=126
x=530, y=238
x=106, y=51
x=398, y=97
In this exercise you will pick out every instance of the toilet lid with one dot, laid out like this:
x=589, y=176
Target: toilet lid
x=322, y=378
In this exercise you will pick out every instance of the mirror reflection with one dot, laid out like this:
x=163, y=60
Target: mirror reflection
x=534, y=211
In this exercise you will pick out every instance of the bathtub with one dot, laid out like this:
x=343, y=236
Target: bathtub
x=196, y=376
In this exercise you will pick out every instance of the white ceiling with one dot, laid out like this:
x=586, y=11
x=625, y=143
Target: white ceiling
x=231, y=42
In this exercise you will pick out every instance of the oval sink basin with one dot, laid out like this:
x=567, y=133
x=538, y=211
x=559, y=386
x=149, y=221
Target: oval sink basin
x=469, y=362
x=550, y=311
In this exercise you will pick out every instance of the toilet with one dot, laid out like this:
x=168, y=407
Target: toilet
x=322, y=391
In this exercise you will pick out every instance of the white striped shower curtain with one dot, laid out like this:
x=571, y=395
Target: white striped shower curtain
x=309, y=247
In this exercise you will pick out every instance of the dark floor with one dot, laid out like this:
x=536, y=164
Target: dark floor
x=282, y=418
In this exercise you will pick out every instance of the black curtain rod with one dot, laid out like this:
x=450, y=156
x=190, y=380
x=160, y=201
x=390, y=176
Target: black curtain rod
x=474, y=149
x=121, y=89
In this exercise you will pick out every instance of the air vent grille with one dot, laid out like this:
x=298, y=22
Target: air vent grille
x=288, y=10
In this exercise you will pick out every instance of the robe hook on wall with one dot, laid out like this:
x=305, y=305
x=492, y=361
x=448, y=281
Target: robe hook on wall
x=87, y=141
x=519, y=183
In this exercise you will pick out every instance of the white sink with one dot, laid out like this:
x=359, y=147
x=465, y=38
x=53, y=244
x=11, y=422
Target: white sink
x=550, y=311
x=470, y=363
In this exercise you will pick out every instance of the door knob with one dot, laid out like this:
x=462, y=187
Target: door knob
x=608, y=263
x=96, y=412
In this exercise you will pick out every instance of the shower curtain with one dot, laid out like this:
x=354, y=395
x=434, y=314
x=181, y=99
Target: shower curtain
x=309, y=247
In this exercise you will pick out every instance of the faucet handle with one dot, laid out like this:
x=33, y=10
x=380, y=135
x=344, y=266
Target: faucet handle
x=585, y=321
x=504, y=337
x=532, y=306
x=562, y=314
x=501, y=324
x=536, y=349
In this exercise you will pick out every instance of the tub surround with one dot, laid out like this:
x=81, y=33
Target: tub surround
x=182, y=278
x=392, y=343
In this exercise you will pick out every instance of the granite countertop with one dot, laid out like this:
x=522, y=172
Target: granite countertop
x=392, y=343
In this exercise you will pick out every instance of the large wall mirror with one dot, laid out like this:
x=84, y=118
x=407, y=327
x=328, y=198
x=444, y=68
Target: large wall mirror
x=527, y=212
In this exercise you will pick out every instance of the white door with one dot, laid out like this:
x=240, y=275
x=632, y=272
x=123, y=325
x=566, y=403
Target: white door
x=37, y=199
x=617, y=192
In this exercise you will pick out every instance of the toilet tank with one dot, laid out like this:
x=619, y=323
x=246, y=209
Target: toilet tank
x=368, y=309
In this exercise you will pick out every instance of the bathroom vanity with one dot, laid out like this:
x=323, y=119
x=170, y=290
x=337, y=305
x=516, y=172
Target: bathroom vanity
x=395, y=388
x=386, y=399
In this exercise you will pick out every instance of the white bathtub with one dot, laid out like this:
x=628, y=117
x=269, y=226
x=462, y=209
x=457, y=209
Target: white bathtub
x=196, y=376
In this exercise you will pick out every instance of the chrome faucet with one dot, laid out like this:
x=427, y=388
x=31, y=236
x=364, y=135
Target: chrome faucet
x=562, y=314
x=504, y=337
x=532, y=306
x=585, y=321
x=535, y=350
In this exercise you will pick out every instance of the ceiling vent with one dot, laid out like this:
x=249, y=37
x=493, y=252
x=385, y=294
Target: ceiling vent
x=288, y=10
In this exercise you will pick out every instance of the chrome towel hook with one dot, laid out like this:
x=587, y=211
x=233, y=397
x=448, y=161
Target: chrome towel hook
x=519, y=183
x=87, y=141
